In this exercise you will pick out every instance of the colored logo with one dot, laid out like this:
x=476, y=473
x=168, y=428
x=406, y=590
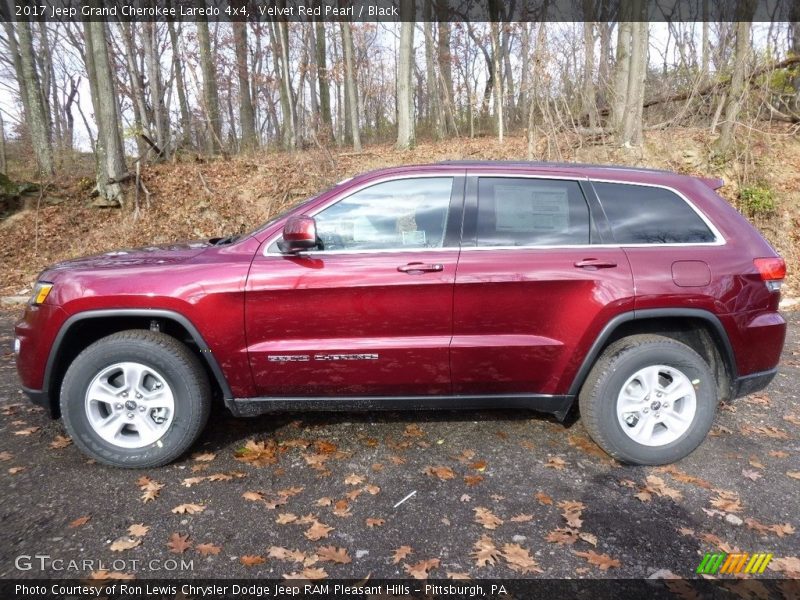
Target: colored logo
x=741, y=562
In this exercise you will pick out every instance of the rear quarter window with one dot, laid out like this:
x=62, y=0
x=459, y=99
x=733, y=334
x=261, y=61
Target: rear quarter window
x=640, y=214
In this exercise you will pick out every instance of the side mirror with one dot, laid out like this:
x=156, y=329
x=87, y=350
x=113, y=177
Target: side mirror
x=299, y=233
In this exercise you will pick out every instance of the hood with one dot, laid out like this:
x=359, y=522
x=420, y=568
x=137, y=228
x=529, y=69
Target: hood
x=150, y=255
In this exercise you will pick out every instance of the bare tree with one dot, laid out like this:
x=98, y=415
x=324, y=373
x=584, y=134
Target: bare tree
x=180, y=84
x=733, y=106
x=246, y=113
x=350, y=85
x=323, y=78
x=210, y=93
x=630, y=74
x=109, y=155
x=405, y=68
x=36, y=117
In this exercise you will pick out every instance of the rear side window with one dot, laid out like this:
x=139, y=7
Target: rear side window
x=641, y=214
x=531, y=212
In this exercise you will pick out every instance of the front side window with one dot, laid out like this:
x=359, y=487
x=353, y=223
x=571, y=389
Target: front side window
x=640, y=214
x=531, y=212
x=403, y=213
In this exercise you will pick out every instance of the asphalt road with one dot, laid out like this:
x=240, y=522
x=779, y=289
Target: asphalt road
x=510, y=470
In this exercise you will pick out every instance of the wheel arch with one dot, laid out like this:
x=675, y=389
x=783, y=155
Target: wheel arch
x=84, y=328
x=699, y=329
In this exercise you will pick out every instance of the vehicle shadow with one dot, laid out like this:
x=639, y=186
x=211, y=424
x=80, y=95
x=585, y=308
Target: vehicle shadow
x=225, y=430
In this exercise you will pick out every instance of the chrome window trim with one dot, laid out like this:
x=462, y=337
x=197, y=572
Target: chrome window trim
x=355, y=190
x=719, y=239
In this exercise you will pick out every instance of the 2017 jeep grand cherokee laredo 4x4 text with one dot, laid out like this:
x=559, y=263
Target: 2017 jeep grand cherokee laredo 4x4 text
x=641, y=294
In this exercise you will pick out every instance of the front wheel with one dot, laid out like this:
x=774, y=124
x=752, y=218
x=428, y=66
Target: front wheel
x=135, y=399
x=649, y=400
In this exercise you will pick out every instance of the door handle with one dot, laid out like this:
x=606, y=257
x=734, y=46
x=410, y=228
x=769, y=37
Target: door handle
x=595, y=263
x=418, y=267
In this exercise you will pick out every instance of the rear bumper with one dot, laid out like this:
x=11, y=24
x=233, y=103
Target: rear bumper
x=755, y=382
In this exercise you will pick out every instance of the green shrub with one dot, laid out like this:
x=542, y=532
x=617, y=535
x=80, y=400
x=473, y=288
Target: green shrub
x=756, y=200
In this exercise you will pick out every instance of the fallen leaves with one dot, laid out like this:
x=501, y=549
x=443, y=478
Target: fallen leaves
x=308, y=574
x=60, y=442
x=138, y=530
x=207, y=549
x=27, y=431
x=354, y=479
x=372, y=522
x=6, y=455
x=484, y=552
x=258, y=454
x=555, y=462
x=602, y=561
x=400, y=553
x=252, y=560
x=656, y=486
x=124, y=543
x=765, y=430
x=543, y=499
x=15, y=470
x=519, y=559
x=79, y=522
x=563, y=536
x=572, y=511
x=178, y=544
x=150, y=488
x=788, y=565
x=487, y=518
x=727, y=501
x=442, y=472
x=793, y=474
x=422, y=569
x=204, y=456
x=285, y=518
x=317, y=531
x=779, y=529
x=333, y=554
x=472, y=480
x=188, y=509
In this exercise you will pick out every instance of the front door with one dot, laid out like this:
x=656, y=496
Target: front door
x=369, y=312
x=533, y=287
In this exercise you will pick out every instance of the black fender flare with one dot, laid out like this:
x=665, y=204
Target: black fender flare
x=151, y=313
x=608, y=330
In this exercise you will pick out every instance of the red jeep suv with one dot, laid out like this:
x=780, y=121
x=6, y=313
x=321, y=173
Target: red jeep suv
x=641, y=294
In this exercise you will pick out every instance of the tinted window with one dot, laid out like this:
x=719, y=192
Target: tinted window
x=650, y=215
x=404, y=213
x=531, y=212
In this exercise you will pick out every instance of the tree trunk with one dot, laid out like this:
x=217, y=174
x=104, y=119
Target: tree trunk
x=588, y=105
x=110, y=157
x=724, y=142
x=287, y=103
x=309, y=50
x=705, y=51
x=405, y=67
x=619, y=98
x=3, y=165
x=155, y=85
x=322, y=77
x=539, y=66
x=13, y=47
x=177, y=65
x=350, y=84
x=498, y=85
x=247, y=121
x=36, y=117
x=524, y=84
x=141, y=113
x=444, y=57
x=632, y=123
x=210, y=93
x=434, y=98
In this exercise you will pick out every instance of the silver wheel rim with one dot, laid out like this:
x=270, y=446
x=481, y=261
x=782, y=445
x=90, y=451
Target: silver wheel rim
x=656, y=405
x=130, y=405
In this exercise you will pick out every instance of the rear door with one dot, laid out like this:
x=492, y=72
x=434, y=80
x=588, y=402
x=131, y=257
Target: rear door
x=369, y=313
x=535, y=283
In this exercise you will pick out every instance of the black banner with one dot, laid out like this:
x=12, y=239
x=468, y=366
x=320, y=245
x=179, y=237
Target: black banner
x=546, y=589
x=400, y=10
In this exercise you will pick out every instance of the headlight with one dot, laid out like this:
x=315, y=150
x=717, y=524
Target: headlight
x=40, y=292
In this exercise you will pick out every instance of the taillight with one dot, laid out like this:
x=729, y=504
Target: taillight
x=772, y=271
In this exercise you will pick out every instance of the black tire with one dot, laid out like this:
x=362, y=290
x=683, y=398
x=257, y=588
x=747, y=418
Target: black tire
x=182, y=371
x=620, y=361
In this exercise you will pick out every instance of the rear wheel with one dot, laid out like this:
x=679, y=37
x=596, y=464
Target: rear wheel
x=135, y=399
x=649, y=400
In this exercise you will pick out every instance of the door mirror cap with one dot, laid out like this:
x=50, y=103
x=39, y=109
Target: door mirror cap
x=299, y=233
